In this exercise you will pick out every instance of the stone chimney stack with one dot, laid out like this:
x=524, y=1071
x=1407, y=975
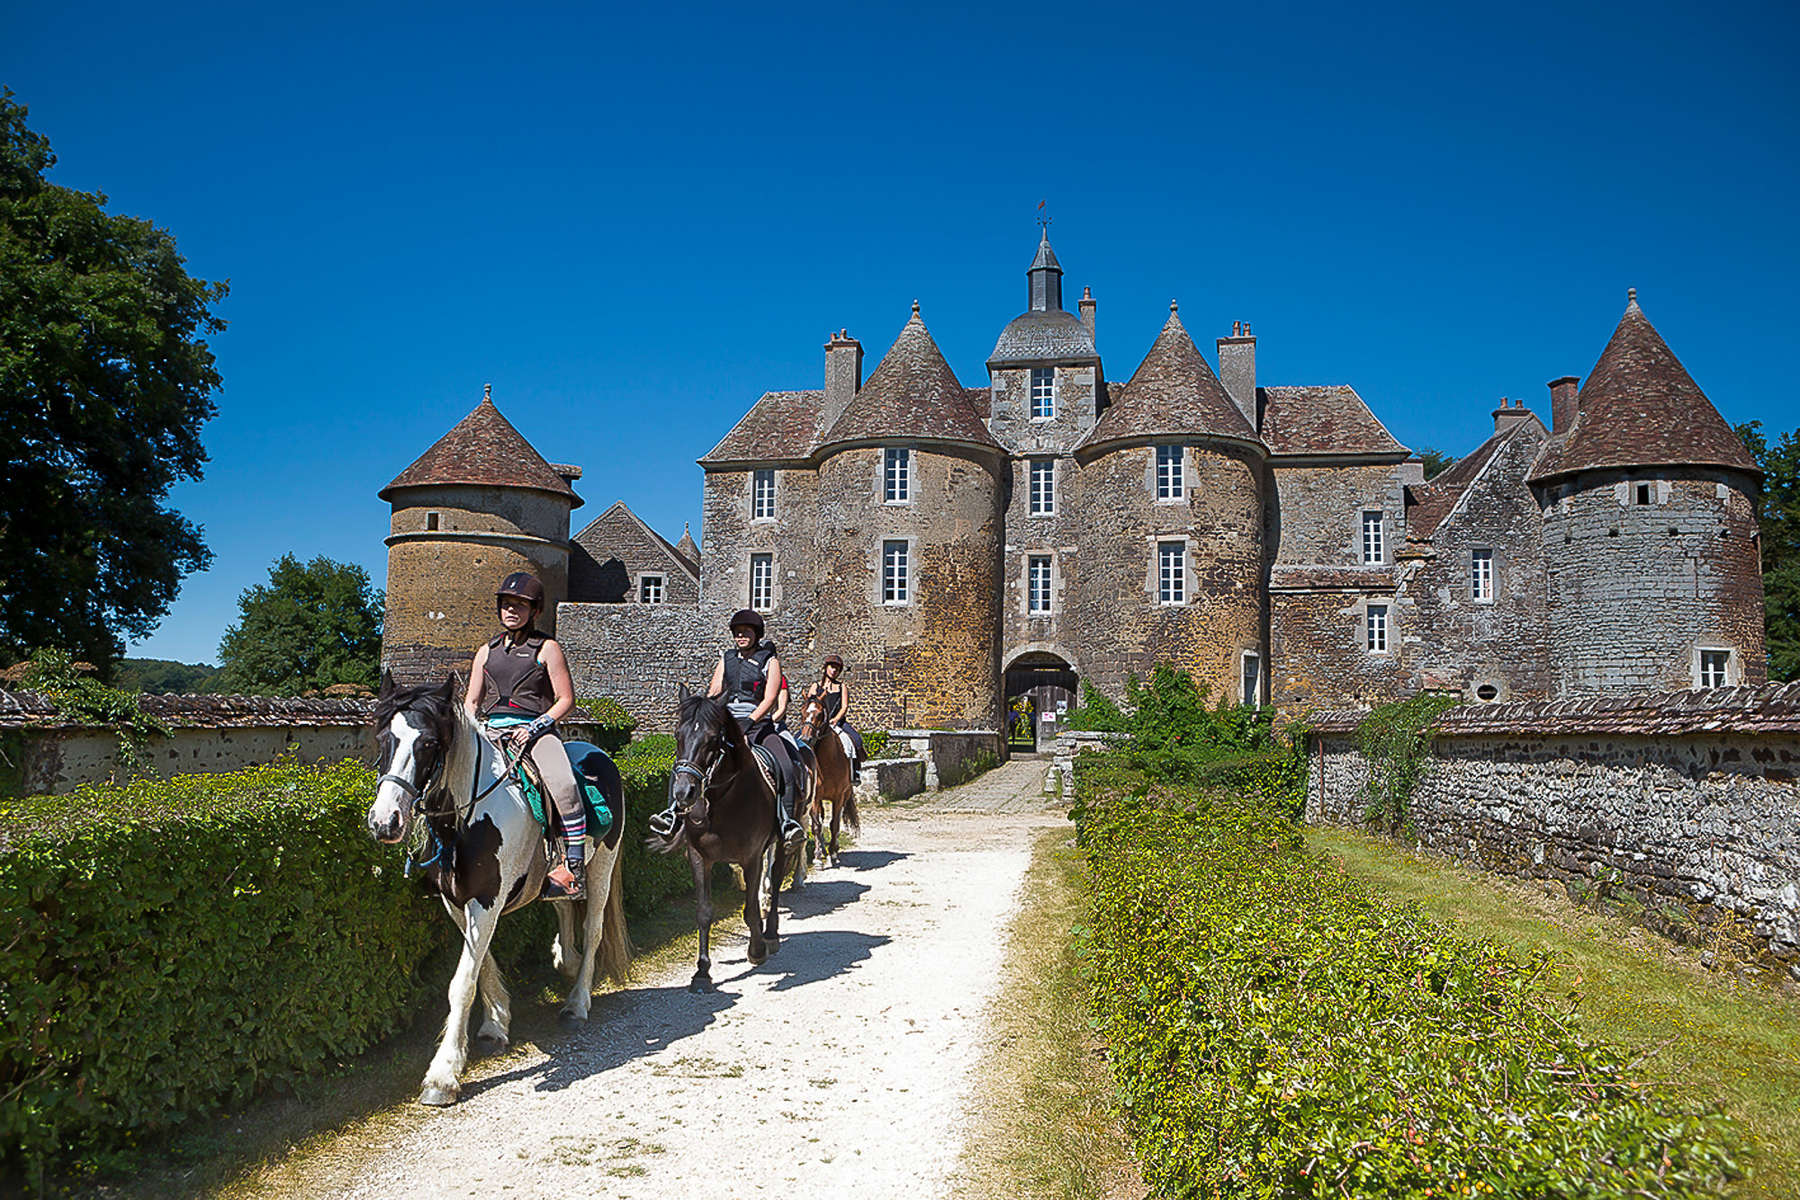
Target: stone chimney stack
x=843, y=376
x=1237, y=369
x=1509, y=413
x=1087, y=307
x=1562, y=404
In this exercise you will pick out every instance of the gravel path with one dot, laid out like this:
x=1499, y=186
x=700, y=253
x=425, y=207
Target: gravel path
x=841, y=1067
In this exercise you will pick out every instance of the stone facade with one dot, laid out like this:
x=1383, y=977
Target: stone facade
x=1686, y=803
x=618, y=559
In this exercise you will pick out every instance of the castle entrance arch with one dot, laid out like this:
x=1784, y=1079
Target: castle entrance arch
x=1040, y=691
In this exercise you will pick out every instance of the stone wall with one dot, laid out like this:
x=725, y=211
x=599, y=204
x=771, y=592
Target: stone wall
x=609, y=558
x=1685, y=803
x=950, y=756
x=641, y=654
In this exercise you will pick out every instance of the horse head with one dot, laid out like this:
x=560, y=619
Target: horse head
x=415, y=729
x=705, y=734
x=812, y=719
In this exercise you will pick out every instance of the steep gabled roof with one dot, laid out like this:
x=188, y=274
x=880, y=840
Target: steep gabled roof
x=1436, y=499
x=913, y=393
x=483, y=449
x=593, y=537
x=1322, y=420
x=779, y=426
x=1640, y=408
x=1173, y=392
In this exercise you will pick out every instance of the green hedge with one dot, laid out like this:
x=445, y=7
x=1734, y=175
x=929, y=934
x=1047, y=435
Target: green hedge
x=875, y=743
x=168, y=947
x=612, y=725
x=1278, y=1031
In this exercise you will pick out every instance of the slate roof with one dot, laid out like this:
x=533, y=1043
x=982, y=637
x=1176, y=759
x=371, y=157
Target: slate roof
x=690, y=564
x=1437, y=498
x=686, y=548
x=1640, y=408
x=1173, y=392
x=1328, y=419
x=1044, y=336
x=913, y=393
x=1770, y=708
x=781, y=425
x=483, y=449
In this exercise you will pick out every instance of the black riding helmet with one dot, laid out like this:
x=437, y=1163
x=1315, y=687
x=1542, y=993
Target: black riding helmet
x=523, y=586
x=746, y=616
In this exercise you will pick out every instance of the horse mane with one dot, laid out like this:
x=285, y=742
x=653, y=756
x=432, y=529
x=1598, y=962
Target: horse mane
x=713, y=714
x=430, y=700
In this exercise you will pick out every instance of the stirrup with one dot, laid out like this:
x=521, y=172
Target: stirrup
x=665, y=823
x=557, y=890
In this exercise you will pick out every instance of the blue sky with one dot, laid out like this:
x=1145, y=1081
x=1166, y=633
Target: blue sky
x=633, y=220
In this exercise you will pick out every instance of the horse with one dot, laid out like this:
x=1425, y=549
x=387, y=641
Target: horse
x=836, y=780
x=487, y=859
x=726, y=811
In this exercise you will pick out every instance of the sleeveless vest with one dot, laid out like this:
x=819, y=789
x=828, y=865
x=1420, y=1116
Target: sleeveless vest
x=517, y=681
x=745, y=678
x=834, y=702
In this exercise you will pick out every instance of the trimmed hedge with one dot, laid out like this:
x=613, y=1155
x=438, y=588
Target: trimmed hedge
x=1278, y=1031
x=167, y=948
x=611, y=724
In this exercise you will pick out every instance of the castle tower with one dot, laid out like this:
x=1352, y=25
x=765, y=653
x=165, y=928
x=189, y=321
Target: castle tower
x=908, y=543
x=1173, y=483
x=478, y=505
x=1649, y=527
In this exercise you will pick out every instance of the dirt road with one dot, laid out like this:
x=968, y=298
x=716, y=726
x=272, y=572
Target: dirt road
x=841, y=1067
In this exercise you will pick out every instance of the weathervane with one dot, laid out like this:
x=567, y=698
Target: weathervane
x=1044, y=218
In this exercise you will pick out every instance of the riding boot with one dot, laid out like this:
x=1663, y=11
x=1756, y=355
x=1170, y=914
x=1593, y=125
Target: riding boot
x=791, y=831
x=574, y=854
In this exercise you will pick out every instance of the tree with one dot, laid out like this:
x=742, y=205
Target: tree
x=159, y=676
x=1779, y=518
x=105, y=381
x=1435, y=461
x=312, y=625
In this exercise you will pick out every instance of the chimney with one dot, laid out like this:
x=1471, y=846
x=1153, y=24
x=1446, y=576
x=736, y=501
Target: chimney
x=1237, y=369
x=1509, y=414
x=1562, y=404
x=843, y=376
x=1087, y=307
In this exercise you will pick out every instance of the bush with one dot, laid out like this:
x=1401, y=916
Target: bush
x=1276, y=1030
x=1097, y=713
x=651, y=745
x=875, y=742
x=613, y=725
x=1397, y=749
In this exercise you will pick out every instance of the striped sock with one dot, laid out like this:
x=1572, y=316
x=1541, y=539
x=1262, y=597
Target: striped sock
x=573, y=833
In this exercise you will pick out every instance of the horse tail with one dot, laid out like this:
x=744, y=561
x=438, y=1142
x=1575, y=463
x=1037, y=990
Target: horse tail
x=852, y=821
x=614, y=954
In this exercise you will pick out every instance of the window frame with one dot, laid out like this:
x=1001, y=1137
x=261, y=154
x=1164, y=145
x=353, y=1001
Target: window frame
x=896, y=573
x=1171, y=471
x=1374, y=537
x=758, y=494
x=1701, y=654
x=1033, y=376
x=1171, y=586
x=1377, y=620
x=1041, y=501
x=896, y=475
x=766, y=561
x=646, y=581
x=1251, y=695
x=1478, y=557
x=1033, y=562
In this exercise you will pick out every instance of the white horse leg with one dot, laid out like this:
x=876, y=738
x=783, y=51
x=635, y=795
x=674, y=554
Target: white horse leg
x=440, y=1086
x=496, y=1003
x=599, y=888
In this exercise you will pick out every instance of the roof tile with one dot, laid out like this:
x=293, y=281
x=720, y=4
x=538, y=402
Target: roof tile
x=1173, y=391
x=1328, y=419
x=483, y=449
x=913, y=393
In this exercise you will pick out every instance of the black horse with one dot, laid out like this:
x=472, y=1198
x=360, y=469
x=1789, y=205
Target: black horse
x=727, y=814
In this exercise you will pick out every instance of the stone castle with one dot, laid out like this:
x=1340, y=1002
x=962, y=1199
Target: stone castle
x=964, y=546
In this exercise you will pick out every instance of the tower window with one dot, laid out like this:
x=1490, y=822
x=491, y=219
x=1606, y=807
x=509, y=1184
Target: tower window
x=1481, y=576
x=1171, y=480
x=1038, y=579
x=1374, y=549
x=1043, y=486
x=896, y=475
x=650, y=589
x=1376, y=633
x=894, y=581
x=1715, y=668
x=762, y=496
x=1171, y=572
x=431, y=520
x=1043, y=393
x=762, y=582
x=1252, y=681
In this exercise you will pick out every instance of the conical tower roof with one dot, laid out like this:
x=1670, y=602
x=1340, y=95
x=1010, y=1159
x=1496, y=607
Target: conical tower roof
x=1173, y=392
x=483, y=450
x=914, y=394
x=685, y=547
x=1640, y=408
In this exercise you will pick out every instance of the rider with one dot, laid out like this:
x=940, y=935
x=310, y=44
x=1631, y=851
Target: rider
x=524, y=678
x=834, y=693
x=742, y=678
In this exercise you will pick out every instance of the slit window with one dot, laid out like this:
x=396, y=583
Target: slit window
x=1481, y=576
x=762, y=496
x=1043, y=486
x=894, y=581
x=431, y=520
x=1038, y=584
x=1715, y=666
x=1252, y=681
x=650, y=589
x=1374, y=547
x=1171, y=572
x=762, y=582
x=896, y=475
x=1043, y=393
x=1376, y=629
x=1171, y=480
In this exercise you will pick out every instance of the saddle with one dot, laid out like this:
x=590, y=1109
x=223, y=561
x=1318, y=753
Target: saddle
x=605, y=814
x=849, y=744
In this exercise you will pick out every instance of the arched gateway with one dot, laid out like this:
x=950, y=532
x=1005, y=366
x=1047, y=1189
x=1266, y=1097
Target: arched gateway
x=1046, y=681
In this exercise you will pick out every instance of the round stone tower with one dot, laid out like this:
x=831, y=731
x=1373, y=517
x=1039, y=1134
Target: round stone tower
x=1171, y=491
x=1650, y=534
x=478, y=505
x=910, y=521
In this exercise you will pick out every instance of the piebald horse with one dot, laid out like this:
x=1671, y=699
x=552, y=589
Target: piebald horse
x=483, y=852
x=836, y=781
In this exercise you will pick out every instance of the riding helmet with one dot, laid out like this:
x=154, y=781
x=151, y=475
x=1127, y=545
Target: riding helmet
x=832, y=660
x=524, y=586
x=746, y=616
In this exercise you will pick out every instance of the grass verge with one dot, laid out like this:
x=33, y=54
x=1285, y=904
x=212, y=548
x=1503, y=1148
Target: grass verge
x=1715, y=1037
x=1049, y=1132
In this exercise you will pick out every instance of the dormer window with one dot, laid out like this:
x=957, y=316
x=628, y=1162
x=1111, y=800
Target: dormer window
x=1043, y=393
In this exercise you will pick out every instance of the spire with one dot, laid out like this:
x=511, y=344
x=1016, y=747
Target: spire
x=1045, y=291
x=1173, y=392
x=685, y=547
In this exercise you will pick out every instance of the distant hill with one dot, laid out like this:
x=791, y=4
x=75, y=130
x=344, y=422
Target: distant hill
x=159, y=675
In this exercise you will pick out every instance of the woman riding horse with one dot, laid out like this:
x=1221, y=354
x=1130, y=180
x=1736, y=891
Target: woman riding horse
x=524, y=678
x=747, y=677
x=835, y=693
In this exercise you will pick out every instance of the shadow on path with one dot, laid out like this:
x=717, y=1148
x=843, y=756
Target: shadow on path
x=870, y=860
x=808, y=956
x=821, y=896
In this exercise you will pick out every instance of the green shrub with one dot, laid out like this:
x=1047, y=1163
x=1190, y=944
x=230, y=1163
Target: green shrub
x=651, y=745
x=1096, y=712
x=1277, y=1031
x=1396, y=748
x=613, y=725
x=875, y=741
x=80, y=696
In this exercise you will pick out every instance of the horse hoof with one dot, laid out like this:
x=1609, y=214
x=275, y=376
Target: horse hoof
x=492, y=1042
x=757, y=957
x=700, y=985
x=774, y=946
x=437, y=1097
x=570, y=1019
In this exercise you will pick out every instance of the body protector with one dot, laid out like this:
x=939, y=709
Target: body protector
x=517, y=683
x=746, y=676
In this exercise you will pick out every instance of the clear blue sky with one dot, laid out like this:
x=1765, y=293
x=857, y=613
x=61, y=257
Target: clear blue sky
x=634, y=219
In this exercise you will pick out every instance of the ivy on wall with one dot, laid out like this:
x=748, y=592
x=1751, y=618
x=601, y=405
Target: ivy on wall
x=1396, y=747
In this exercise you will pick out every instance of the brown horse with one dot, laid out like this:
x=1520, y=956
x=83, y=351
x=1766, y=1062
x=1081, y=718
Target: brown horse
x=837, y=783
x=727, y=814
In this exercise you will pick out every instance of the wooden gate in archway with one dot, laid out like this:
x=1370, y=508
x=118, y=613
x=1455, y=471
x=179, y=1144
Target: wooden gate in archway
x=1046, y=683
